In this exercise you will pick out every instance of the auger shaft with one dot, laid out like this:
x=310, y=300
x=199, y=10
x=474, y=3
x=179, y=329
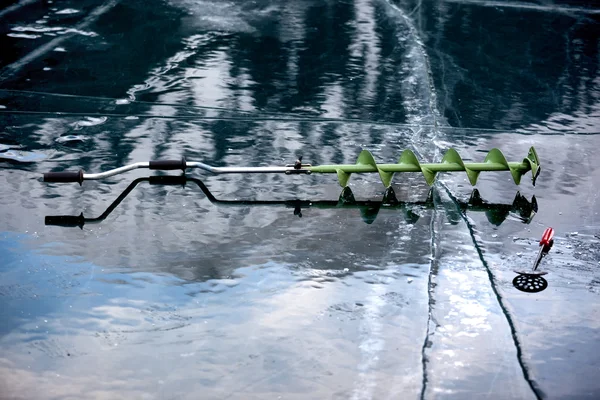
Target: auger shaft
x=446, y=167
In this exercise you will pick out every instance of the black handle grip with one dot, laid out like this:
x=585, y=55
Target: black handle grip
x=69, y=221
x=63, y=177
x=168, y=165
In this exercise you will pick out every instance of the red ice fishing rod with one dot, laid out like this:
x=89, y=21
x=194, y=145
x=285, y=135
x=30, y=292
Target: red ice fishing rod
x=545, y=245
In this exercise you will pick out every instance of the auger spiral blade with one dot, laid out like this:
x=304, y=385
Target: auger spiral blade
x=451, y=162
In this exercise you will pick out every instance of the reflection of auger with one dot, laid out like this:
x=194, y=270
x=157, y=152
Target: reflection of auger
x=494, y=161
x=496, y=213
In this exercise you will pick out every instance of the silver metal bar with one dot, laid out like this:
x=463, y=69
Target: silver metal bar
x=538, y=259
x=202, y=166
x=116, y=171
x=242, y=170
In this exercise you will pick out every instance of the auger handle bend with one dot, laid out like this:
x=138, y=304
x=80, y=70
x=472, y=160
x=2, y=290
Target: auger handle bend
x=408, y=162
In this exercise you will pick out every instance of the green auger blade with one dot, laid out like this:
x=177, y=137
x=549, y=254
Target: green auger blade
x=451, y=162
x=495, y=156
x=534, y=164
x=452, y=157
x=365, y=159
x=408, y=158
x=531, y=163
x=343, y=177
